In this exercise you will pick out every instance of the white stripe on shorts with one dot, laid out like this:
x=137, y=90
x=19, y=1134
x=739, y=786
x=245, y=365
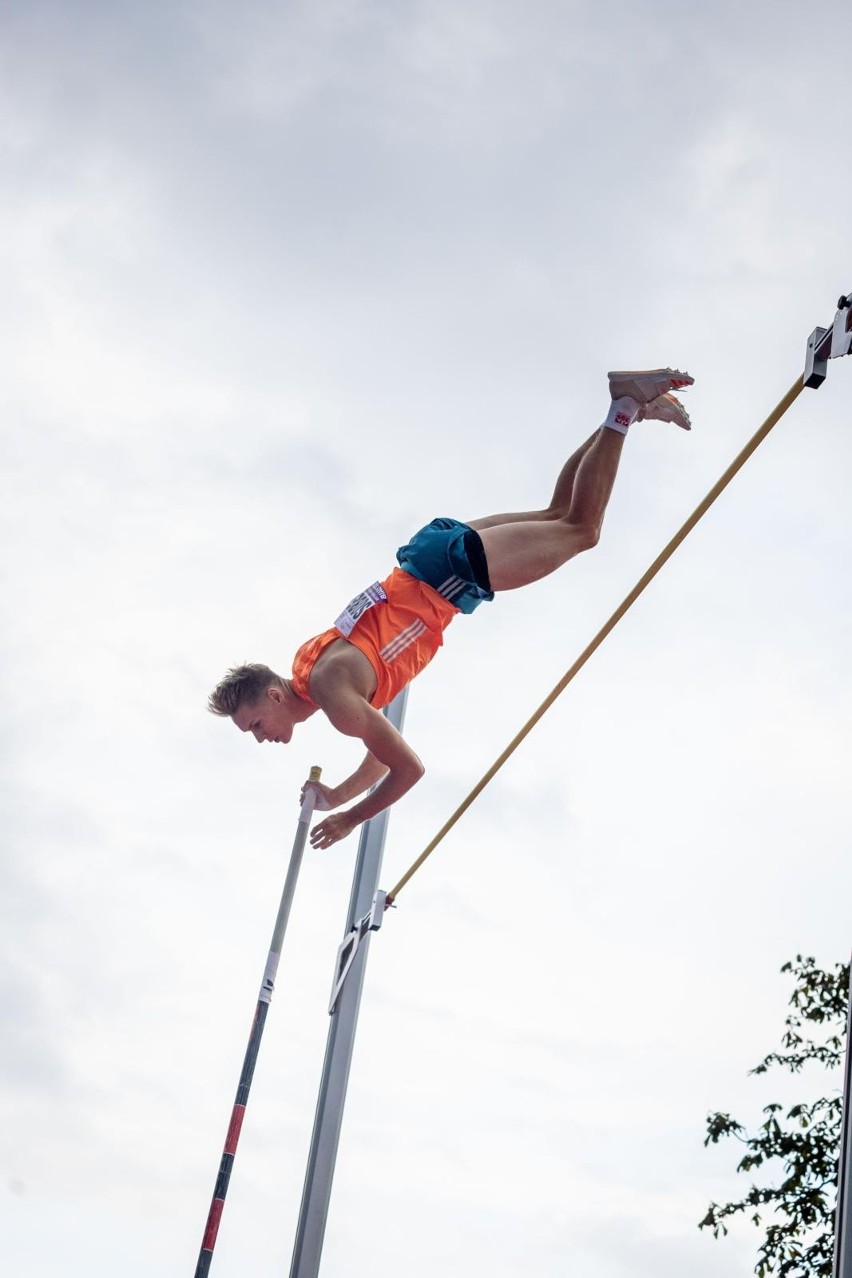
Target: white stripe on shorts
x=451, y=587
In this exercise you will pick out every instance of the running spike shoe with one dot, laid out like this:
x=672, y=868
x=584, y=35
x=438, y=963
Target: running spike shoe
x=648, y=385
x=666, y=408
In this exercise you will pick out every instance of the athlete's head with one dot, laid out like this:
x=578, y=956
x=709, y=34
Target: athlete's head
x=257, y=700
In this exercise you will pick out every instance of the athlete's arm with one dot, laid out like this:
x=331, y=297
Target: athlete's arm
x=368, y=772
x=351, y=714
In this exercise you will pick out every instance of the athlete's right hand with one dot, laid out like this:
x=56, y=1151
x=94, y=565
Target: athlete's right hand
x=325, y=796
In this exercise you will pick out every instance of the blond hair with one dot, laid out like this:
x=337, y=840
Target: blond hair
x=241, y=685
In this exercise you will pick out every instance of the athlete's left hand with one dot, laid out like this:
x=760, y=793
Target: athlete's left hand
x=325, y=796
x=333, y=829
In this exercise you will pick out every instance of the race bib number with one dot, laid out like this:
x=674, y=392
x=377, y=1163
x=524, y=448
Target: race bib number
x=355, y=609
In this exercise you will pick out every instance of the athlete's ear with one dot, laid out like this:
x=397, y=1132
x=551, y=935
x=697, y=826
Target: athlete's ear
x=274, y=693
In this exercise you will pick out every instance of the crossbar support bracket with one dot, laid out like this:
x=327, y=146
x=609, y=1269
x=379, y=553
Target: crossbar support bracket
x=348, y=948
x=829, y=343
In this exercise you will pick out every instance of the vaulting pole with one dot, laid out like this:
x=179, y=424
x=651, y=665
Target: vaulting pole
x=214, y=1216
x=307, y=1251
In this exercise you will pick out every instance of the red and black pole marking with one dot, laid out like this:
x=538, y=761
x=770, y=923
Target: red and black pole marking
x=205, y=1256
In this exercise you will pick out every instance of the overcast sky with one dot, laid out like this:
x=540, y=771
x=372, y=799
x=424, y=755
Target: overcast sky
x=282, y=281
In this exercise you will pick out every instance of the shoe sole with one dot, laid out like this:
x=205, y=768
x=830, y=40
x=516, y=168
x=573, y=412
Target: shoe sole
x=643, y=385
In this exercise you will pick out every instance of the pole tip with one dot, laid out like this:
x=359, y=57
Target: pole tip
x=316, y=772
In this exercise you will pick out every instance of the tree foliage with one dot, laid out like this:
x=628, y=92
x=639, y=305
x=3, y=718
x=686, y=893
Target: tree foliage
x=797, y=1212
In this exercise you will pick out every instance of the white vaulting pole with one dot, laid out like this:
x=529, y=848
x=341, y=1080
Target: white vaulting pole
x=307, y=1250
x=220, y=1190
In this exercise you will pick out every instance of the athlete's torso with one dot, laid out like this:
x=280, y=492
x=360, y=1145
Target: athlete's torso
x=397, y=624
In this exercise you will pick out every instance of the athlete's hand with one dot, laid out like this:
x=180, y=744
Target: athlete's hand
x=333, y=829
x=325, y=797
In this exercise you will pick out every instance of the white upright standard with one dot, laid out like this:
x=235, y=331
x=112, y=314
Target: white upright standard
x=843, y=1216
x=366, y=908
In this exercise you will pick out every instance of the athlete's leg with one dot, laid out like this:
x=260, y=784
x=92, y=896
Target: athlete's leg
x=521, y=551
x=522, y=548
x=560, y=502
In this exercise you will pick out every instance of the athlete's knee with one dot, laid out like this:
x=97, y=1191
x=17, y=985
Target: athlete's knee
x=585, y=535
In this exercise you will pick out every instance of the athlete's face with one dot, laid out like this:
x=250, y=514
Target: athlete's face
x=268, y=718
